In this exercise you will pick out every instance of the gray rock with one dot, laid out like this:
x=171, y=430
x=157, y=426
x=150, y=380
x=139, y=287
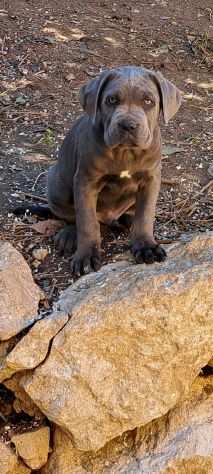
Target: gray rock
x=180, y=442
x=19, y=295
x=32, y=349
x=138, y=337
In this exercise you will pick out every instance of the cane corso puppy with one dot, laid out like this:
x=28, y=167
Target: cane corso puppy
x=110, y=164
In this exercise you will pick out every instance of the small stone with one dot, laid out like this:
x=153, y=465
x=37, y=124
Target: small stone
x=40, y=253
x=210, y=171
x=33, y=447
x=21, y=100
x=9, y=463
x=5, y=99
x=69, y=77
x=36, y=263
x=50, y=40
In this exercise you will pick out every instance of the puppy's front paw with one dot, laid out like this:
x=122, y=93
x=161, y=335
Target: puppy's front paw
x=86, y=261
x=148, y=253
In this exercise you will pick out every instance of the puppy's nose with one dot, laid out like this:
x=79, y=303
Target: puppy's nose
x=128, y=125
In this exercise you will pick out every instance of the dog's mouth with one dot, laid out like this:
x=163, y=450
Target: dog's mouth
x=128, y=139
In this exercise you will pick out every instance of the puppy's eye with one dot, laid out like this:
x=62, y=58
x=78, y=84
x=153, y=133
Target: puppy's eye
x=148, y=101
x=112, y=100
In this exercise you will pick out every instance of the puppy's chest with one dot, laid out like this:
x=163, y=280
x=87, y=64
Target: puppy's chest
x=125, y=174
x=123, y=180
x=126, y=167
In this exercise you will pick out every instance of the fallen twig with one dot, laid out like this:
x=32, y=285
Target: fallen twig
x=37, y=179
x=92, y=53
x=35, y=197
x=172, y=182
x=166, y=241
x=3, y=417
x=54, y=285
x=207, y=186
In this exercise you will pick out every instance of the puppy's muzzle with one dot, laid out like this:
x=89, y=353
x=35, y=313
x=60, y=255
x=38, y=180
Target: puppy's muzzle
x=130, y=130
x=129, y=126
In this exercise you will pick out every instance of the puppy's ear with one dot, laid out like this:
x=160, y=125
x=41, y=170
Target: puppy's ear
x=90, y=94
x=170, y=96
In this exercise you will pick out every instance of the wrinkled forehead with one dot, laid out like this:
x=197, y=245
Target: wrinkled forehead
x=131, y=86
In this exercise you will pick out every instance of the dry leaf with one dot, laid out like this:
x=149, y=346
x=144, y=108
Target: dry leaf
x=171, y=149
x=48, y=227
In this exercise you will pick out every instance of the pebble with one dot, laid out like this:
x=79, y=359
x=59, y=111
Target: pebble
x=40, y=254
x=210, y=171
x=36, y=263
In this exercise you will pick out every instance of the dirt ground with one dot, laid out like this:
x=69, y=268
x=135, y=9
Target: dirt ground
x=48, y=49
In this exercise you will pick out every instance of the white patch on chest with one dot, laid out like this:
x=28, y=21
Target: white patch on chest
x=125, y=174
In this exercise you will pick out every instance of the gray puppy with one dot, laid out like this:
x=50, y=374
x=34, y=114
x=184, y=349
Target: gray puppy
x=110, y=164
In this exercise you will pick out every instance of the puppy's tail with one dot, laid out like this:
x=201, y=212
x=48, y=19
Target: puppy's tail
x=38, y=210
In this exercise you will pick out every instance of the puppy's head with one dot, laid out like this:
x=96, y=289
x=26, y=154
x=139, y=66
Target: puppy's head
x=126, y=103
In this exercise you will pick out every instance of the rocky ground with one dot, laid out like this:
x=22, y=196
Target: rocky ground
x=48, y=50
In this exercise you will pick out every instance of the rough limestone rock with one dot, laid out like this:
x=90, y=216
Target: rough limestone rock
x=180, y=442
x=32, y=349
x=138, y=337
x=28, y=407
x=9, y=463
x=33, y=447
x=22, y=401
x=5, y=348
x=196, y=465
x=19, y=295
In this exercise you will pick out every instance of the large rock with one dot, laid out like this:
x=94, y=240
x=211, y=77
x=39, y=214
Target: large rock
x=19, y=295
x=195, y=465
x=137, y=338
x=180, y=442
x=32, y=349
x=33, y=447
x=9, y=463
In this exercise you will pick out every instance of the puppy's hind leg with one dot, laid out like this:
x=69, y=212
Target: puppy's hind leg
x=60, y=199
x=66, y=239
